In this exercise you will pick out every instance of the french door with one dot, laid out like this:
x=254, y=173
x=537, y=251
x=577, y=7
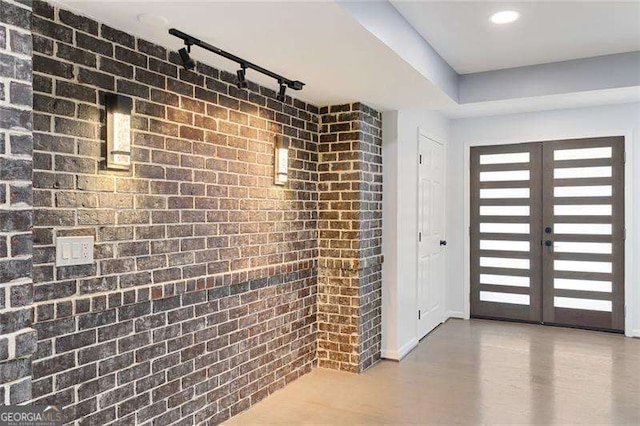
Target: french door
x=547, y=232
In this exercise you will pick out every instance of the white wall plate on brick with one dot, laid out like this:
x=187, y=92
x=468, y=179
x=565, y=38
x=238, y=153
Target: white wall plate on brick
x=72, y=251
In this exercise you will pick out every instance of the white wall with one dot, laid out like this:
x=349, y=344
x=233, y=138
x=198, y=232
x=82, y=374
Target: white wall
x=578, y=75
x=560, y=124
x=400, y=223
x=386, y=23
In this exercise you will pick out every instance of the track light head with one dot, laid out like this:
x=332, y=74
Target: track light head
x=242, y=81
x=187, y=62
x=296, y=85
x=281, y=92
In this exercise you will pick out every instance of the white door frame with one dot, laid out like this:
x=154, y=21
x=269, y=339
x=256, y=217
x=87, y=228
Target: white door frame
x=631, y=248
x=443, y=142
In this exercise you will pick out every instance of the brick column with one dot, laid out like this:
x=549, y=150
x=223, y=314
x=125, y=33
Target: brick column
x=17, y=338
x=350, y=237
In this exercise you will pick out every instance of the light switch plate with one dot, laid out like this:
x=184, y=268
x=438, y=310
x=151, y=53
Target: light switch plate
x=71, y=251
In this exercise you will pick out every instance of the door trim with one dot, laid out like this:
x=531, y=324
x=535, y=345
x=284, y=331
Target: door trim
x=632, y=242
x=426, y=134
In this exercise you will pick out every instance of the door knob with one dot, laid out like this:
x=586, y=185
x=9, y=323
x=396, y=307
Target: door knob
x=443, y=242
x=548, y=243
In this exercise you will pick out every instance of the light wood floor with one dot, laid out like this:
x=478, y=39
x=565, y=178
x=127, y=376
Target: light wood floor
x=474, y=372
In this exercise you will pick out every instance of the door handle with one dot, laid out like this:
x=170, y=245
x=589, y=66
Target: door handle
x=443, y=242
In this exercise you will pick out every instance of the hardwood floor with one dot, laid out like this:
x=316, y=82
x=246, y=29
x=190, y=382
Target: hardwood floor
x=472, y=372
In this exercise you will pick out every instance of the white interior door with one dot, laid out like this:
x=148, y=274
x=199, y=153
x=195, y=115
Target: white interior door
x=431, y=235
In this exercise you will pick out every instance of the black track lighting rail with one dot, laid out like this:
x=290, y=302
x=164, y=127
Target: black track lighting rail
x=244, y=64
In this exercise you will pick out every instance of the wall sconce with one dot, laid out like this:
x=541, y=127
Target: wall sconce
x=118, y=131
x=282, y=160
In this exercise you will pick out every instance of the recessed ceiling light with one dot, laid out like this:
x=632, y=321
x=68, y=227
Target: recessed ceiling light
x=504, y=17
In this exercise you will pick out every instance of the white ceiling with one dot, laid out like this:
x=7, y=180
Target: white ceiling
x=547, y=31
x=341, y=60
x=316, y=42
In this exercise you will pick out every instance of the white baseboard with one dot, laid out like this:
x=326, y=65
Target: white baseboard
x=633, y=333
x=454, y=314
x=400, y=353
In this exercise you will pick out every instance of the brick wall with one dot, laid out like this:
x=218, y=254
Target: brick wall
x=17, y=338
x=202, y=297
x=350, y=237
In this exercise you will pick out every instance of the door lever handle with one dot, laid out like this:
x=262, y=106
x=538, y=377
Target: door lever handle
x=443, y=242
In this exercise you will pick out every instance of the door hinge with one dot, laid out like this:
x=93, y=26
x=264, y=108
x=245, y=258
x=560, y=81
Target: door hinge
x=625, y=157
x=420, y=236
x=624, y=233
x=419, y=313
x=420, y=158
